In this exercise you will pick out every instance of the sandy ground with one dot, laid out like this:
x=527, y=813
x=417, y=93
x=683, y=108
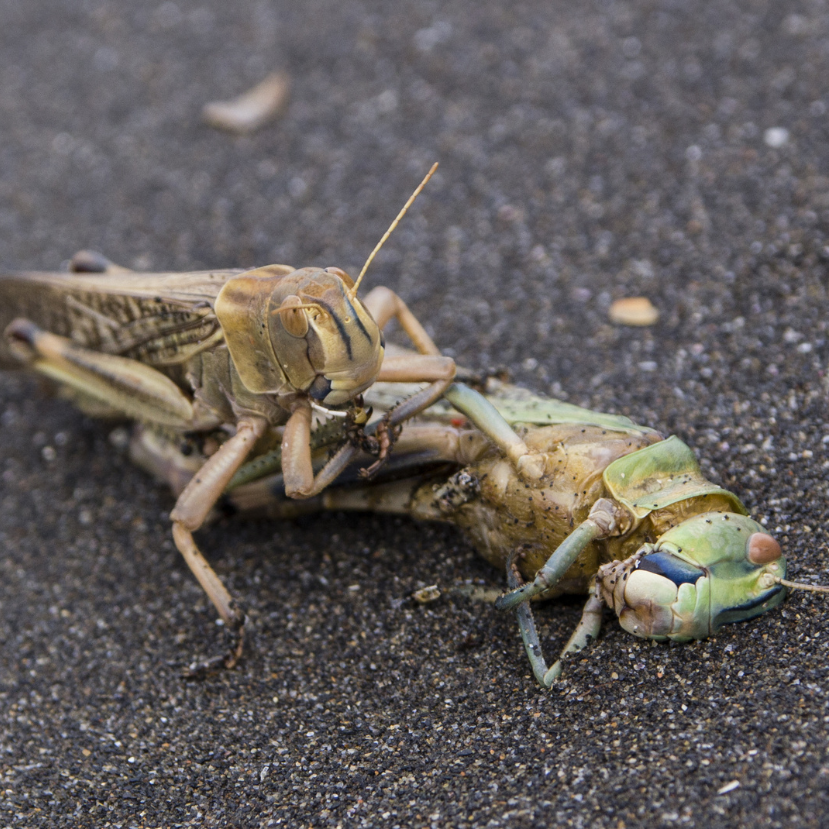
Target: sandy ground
x=588, y=151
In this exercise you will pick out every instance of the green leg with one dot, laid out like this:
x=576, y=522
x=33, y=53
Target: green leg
x=606, y=518
x=485, y=417
x=557, y=565
x=587, y=630
x=526, y=624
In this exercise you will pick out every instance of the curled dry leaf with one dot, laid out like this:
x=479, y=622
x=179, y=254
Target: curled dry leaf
x=253, y=108
x=634, y=310
x=426, y=594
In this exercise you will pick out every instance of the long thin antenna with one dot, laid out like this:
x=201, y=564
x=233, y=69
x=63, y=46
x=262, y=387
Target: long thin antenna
x=353, y=292
x=796, y=585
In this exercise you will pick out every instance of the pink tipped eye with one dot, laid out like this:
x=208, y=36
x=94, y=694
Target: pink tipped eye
x=762, y=549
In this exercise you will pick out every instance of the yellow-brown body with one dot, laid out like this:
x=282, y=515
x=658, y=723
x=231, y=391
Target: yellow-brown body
x=228, y=354
x=182, y=325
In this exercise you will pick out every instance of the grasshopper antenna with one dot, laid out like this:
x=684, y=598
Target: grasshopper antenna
x=796, y=585
x=353, y=292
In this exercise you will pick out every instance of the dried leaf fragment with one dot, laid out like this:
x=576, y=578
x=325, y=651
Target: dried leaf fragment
x=427, y=594
x=252, y=109
x=634, y=310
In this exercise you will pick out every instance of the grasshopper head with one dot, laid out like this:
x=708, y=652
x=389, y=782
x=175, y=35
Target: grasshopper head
x=300, y=331
x=707, y=571
x=304, y=331
x=334, y=338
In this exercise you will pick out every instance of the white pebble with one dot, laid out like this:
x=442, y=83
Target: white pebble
x=776, y=136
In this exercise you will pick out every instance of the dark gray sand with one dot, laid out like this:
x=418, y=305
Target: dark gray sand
x=588, y=151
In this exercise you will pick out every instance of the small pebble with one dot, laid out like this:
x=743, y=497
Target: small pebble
x=635, y=310
x=775, y=137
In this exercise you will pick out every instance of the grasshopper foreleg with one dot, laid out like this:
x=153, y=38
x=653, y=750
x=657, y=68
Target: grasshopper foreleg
x=380, y=444
x=606, y=518
x=188, y=515
x=297, y=468
x=381, y=436
x=586, y=631
x=297, y=465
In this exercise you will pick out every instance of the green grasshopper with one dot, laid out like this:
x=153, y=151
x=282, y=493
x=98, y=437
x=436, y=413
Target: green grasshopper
x=617, y=512
x=227, y=356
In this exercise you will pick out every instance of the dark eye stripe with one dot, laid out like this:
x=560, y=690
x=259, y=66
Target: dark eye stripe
x=671, y=567
x=340, y=327
x=357, y=319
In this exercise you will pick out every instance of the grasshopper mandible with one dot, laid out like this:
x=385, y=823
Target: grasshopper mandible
x=227, y=355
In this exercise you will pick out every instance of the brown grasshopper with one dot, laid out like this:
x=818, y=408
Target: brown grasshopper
x=226, y=355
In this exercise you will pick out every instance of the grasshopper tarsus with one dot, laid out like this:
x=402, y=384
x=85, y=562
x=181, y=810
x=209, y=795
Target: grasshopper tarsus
x=368, y=472
x=90, y=261
x=379, y=443
x=201, y=670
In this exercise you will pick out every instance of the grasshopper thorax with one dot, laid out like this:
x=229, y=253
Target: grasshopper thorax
x=300, y=331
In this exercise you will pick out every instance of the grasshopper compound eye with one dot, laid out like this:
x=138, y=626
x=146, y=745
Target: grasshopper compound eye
x=762, y=549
